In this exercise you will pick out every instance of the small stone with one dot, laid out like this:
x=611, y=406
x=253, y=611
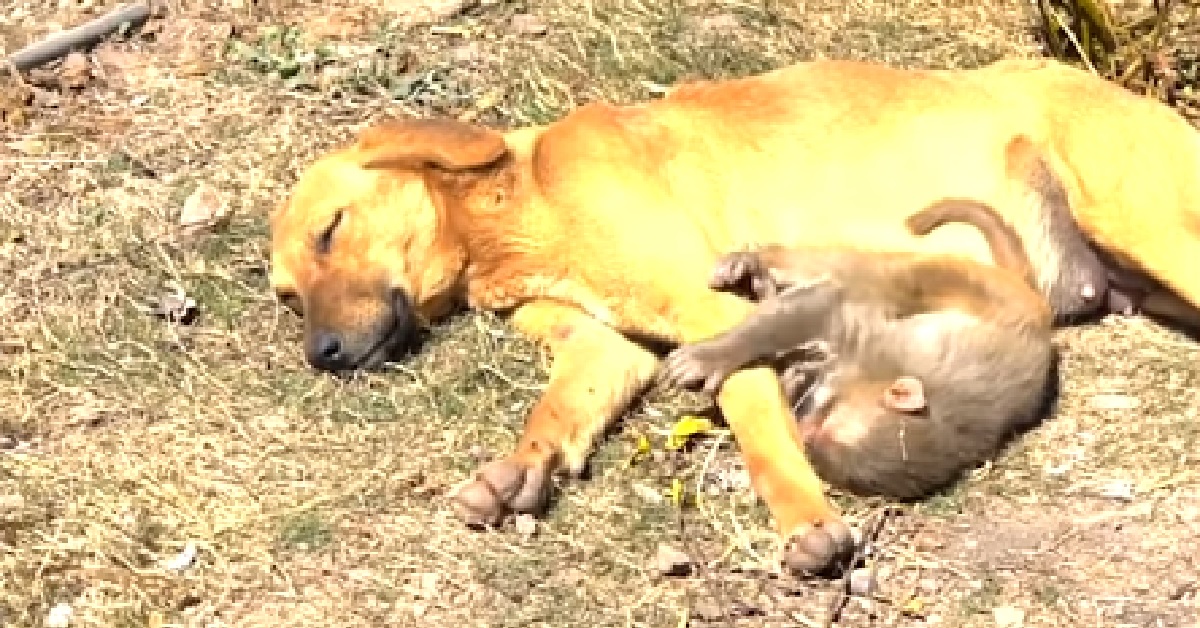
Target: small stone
x=862, y=582
x=59, y=616
x=1121, y=490
x=669, y=561
x=647, y=493
x=1008, y=617
x=525, y=524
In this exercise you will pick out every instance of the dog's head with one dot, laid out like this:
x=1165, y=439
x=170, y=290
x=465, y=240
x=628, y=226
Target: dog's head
x=363, y=249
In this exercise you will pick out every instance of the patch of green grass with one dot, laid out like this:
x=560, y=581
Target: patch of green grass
x=948, y=502
x=306, y=531
x=983, y=599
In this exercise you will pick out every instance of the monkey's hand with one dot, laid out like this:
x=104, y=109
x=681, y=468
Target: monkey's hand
x=702, y=365
x=744, y=274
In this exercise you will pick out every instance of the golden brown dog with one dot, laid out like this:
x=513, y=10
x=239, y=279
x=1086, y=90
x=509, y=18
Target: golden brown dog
x=605, y=225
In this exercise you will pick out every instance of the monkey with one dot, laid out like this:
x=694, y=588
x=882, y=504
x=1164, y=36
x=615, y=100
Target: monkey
x=936, y=361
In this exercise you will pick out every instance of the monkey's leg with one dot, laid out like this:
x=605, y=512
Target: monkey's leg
x=594, y=376
x=753, y=404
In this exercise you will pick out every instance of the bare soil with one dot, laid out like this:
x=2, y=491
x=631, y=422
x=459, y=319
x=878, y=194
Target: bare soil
x=163, y=473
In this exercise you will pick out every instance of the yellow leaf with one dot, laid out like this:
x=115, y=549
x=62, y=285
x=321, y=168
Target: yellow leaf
x=913, y=606
x=676, y=492
x=640, y=452
x=685, y=428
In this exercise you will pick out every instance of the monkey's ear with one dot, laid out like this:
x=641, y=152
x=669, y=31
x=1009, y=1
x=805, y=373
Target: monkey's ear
x=905, y=394
x=417, y=143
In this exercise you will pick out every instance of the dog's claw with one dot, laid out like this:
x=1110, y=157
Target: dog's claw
x=817, y=548
x=500, y=488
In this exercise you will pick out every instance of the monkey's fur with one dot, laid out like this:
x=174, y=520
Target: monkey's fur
x=936, y=360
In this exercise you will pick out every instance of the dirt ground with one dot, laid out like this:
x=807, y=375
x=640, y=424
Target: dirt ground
x=166, y=462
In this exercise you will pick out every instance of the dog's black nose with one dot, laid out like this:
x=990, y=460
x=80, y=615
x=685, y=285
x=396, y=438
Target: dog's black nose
x=325, y=351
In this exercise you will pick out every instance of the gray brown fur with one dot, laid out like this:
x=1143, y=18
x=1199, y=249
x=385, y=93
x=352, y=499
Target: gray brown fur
x=976, y=337
x=1088, y=282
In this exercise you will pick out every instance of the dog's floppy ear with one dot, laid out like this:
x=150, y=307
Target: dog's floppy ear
x=416, y=143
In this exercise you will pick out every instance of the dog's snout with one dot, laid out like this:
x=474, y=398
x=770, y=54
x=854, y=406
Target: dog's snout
x=325, y=352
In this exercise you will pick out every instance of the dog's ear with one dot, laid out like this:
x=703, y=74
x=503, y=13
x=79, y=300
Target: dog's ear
x=416, y=143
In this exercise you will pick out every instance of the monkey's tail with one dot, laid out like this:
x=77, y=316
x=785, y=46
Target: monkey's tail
x=1007, y=249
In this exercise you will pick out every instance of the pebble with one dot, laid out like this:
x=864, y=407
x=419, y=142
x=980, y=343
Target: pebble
x=862, y=582
x=669, y=561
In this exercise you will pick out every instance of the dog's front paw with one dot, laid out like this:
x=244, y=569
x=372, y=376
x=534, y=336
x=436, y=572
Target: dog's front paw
x=818, y=548
x=500, y=488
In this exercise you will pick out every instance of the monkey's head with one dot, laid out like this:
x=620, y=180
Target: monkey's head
x=884, y=438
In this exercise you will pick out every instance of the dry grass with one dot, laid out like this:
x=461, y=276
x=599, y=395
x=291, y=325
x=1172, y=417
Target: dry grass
x=313, y=501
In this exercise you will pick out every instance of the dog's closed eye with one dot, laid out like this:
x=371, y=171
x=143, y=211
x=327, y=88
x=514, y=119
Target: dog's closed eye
x=291, y=301
x=324, y=241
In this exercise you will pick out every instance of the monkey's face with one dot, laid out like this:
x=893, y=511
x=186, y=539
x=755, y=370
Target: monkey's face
x=879, y=438
x=845, y=410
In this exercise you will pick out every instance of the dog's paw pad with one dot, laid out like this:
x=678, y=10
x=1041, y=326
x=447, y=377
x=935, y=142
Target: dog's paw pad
x=499, y=488
x=816, y=549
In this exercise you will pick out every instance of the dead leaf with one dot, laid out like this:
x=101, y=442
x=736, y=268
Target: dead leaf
x=176, y=307
x=75, y=71
x=204, y=210
x=15, y=97
x=526, y=24
x=412, y=12
x=121, y=67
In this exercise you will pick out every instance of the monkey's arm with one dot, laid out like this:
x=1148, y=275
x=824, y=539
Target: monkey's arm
x=795, y=316
x=761, y=273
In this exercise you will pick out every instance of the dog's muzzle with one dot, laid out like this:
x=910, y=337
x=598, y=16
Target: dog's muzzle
x=393, y=335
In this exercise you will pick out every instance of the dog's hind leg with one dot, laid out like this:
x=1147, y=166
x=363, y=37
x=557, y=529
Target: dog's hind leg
x=595, y=374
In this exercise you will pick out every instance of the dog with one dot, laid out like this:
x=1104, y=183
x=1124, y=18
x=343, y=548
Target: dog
x=601, y=227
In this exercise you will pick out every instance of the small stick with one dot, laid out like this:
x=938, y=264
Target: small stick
x=83, y=36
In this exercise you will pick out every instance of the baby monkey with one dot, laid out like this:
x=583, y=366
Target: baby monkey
x=934, y=360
